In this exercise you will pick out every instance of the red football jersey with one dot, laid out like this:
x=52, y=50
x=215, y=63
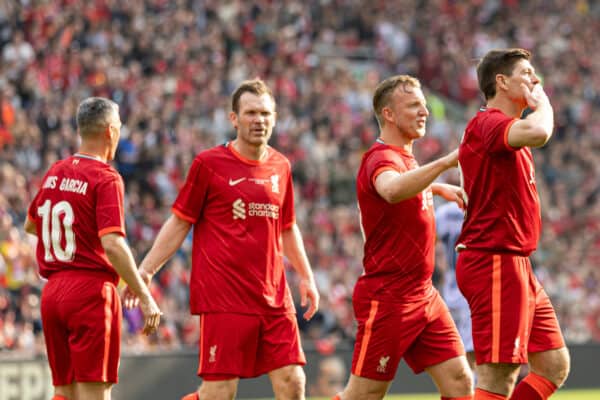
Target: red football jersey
x=239, y=208
x=80, y=200
x=503, y=211
x=399, y=238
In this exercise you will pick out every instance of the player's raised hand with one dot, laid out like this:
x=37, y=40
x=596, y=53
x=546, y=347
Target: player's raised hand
x=151, y=314
x=309, y=292
x=534, y=96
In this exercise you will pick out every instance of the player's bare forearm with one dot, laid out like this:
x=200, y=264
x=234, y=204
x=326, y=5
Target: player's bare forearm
x=120, y=257
x=119, y=254
x=169, y=239
x=394, y=187
x=293, y=248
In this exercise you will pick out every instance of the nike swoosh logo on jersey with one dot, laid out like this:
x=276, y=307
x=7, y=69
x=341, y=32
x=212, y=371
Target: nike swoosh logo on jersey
x=233, y=183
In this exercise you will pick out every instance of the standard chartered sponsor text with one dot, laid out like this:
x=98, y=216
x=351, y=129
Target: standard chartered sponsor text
x=263, y=210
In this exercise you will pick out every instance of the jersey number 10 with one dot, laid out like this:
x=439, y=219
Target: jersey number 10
x=52, y=228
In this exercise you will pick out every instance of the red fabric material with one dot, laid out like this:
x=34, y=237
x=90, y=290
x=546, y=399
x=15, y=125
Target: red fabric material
x=470, y=397
x=481, y=394
x=533, y=387
x=238, y=206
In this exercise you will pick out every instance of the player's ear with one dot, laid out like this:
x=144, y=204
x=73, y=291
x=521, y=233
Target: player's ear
x=387, y=114
x=501, y=81
x=110, y=132
x=234, y=119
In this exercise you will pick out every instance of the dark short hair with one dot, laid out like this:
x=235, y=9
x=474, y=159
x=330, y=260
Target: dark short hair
x=93, y=115
x=384, y=90
x=498, y=61
x=254, y=86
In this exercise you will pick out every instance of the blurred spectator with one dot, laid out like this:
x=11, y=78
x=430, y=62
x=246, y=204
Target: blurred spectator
x=330, y=378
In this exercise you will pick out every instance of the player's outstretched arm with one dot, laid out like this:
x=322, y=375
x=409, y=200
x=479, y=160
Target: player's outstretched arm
x=394, y=187
x=536, y=129
x=293, y=248
x=119, y=254
x=167, y=242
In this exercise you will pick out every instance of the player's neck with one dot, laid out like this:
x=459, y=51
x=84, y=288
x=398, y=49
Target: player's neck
x=506, y=105
x=93, y=151
x=397, y=140
x=255, y=153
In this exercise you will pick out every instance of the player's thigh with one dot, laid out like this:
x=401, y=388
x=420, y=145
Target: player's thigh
x=360, y=388
x=67, y=391
x=95, y=335
x=228, y=345
x=379, y=347
x=92, y=390
x=502, y=303
x=279, y=344
x=439, y=340
x=288, y=382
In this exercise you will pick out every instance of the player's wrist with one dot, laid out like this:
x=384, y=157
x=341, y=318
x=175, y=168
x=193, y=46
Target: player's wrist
x=146, y=272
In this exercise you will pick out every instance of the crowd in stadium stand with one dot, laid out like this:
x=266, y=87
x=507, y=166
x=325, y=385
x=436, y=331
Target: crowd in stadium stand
x=172, y=65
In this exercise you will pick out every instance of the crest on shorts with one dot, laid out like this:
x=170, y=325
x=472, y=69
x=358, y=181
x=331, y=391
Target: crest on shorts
x=383, y=364
x=213, y=353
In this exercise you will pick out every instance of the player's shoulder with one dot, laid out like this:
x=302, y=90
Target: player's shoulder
x=276, y=156
x=210, y=152
x=489, y=114
x=382, y=153
x=376, y=151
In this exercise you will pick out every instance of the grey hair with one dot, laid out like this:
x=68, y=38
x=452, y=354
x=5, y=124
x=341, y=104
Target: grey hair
x=93, y=115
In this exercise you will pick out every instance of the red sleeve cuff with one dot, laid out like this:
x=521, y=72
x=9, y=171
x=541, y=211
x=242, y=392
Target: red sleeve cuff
x=111, y=229
x=183, y=216
x=508, y=146
x=380, y=170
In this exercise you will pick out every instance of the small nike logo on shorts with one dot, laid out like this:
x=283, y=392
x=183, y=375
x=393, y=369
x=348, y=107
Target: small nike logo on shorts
x=233, y=183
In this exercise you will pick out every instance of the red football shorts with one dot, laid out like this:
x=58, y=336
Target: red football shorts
x=245, y=346
x=422, y=332
x=511, y=313
x=81, y=318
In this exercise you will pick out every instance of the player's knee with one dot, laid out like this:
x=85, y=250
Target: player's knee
x=295, y=390
x=359, y=388
x=463, y=381
x=497, y=378
x=555, y=366
x=290, y=385
x=218, y=390
x=457, y=382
